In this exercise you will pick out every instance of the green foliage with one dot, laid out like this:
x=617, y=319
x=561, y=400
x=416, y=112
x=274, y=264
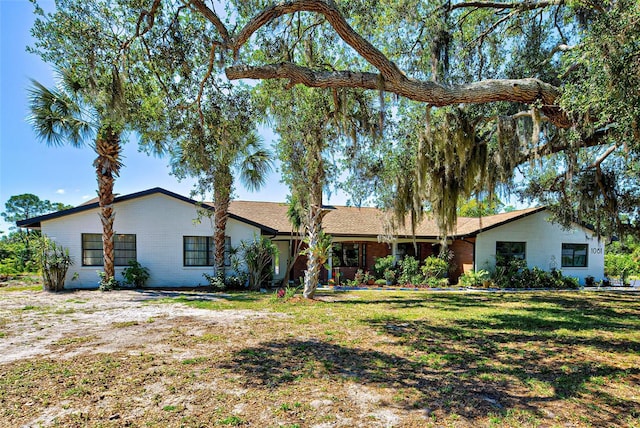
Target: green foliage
x=384, y=264
x=435, y=267
x=474, y=278
x=18, y=250
x=136, y=274
x=514, y=273
x=410, y=271
x=320, y=250
x=358, y=278
x=620, y=265
x=54, y=264
x=107, y=283
x=27, y=205
x=433, y=282
x=258, y=256
x=286, y=293
x=390, y=275
x=12, y=256
x=236, y=282
x=477, y=207
x=216, y=282
x=232, y=282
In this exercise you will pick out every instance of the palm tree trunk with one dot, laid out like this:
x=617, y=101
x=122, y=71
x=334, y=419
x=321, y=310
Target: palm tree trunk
x=222, y=197
x=107, y=166
x=312, y=274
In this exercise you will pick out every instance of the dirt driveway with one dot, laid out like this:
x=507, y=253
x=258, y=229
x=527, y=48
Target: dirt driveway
x=42, y=323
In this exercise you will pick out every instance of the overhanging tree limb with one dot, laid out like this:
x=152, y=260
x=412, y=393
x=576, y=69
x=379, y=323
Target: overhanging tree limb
x=515, y=90
x=390, y=78
x=330, y=11
x=527, y=5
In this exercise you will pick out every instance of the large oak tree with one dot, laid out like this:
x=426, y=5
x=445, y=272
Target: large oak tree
x=499, y=84
x=538, y=96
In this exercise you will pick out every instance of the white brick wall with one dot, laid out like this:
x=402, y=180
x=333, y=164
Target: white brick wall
x=543, y=245
x=159, y=223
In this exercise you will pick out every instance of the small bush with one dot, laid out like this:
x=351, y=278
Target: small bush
x=410, y=271
x=54, y=262
x=285, y=294
x=236, y=282
x=474, y=278
x=383, y=264
x=620, y=265
x=515, y=274
x=434, y=282
x=107, y=283
x=136, y=275
x=390, y=276
x=216, y=282
x=258, y=256
x=435, y=267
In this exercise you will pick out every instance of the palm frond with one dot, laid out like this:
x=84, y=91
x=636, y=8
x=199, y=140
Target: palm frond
x=254, y=169
x=56, y=117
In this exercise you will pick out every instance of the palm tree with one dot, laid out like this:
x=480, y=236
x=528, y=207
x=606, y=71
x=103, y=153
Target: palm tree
x=213, y=161
x=247, y=155
x=73, y=113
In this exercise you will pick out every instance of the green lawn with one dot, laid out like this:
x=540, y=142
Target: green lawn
x=361, y=359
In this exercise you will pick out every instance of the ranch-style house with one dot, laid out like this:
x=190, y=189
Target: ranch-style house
x=164, y=232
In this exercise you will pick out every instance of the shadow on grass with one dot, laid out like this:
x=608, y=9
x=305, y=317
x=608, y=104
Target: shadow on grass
x=527, y=348
x=186, y=297
x=288, y=362
x=457, y=380
x=446, y=301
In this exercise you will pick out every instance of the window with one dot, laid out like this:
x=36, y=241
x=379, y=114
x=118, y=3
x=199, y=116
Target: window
x=200, y=251
x=346, y=255
x=124, y=249
x=506, y=251
x=574, y=255
x=404, y=250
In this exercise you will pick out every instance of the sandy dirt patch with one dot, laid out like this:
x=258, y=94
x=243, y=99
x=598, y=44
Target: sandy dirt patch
x=43, y=323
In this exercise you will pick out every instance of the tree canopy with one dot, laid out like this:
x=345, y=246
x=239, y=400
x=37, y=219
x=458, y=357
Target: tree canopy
x=28, y=205
x=476, y=97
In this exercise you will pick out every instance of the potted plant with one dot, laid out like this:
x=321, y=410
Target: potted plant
x=389, y=276
x=368, y=278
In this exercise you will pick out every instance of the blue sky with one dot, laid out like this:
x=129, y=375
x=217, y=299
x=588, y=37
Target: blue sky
x=65, y=174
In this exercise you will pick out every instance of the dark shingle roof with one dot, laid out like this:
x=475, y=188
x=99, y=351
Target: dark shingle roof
x=352, y=221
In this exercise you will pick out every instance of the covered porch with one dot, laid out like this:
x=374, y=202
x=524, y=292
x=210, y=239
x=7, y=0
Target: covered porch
x=352, y=254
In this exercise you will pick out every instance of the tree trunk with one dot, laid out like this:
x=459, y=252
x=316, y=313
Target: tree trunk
x=107, y=166
x=221, y=199
x=314, y=229
x=312, y=274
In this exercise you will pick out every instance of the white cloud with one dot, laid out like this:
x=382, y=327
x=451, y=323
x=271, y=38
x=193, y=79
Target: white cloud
x=85, y=197
x=60, y=192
